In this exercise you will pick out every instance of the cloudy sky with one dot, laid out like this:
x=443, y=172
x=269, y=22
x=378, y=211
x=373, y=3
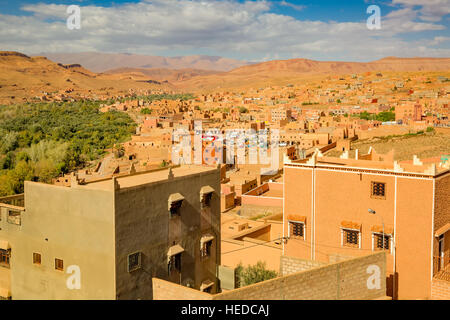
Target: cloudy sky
x=242, y=29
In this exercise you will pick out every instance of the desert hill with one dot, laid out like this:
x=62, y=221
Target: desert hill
x=161, y=74
x=101, y=62
x=24, y=78
x=282, y=71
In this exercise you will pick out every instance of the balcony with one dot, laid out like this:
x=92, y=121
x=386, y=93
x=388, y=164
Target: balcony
x=16, y=200
x=13, y=206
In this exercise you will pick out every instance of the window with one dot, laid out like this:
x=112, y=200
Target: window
x=36, y=258
x=14, y=217
x=134, y=261
x=296, y=229
x=350, y=238
x=206, y=200
x=206, y=249
x=175, y=209
x=378, y=241
x=378, y=190
x=59, y=264
x=5, y=257
x=175, y=263
x=208, y=290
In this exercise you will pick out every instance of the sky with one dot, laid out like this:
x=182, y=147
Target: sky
x=251, y=30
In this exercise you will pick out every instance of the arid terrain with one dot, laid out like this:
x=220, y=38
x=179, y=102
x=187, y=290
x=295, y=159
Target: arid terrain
x=101, y=62
x=25, y=78
x=425, y=145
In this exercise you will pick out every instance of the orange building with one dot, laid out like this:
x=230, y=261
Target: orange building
x=340, y=207
x=408, y=112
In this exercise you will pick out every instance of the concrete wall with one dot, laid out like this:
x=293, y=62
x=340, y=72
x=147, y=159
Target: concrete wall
x=346, y=280
x=74, y=225
x=143, y=225
x=164, y=290
x=290, y=265
x=440, y=290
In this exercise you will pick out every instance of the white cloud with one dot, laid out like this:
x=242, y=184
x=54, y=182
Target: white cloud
x=293, y=6
x=431, y=10
x=245, y=30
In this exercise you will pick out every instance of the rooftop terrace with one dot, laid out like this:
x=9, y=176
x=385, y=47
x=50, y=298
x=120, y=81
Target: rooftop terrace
x=143, y=178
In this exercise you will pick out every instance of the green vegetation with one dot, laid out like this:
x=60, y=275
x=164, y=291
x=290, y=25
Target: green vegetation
x=243, y=110
x=384, y=116
x=146, y=111
x=42, y=141
x=309, y=103
x=253, y=274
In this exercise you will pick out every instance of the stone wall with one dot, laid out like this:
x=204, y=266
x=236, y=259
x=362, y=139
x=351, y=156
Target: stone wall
x=345, y=280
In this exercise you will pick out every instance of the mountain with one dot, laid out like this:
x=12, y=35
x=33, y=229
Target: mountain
x=22, y=78
x=101, y=62
x=160, y=74
x=283, y=71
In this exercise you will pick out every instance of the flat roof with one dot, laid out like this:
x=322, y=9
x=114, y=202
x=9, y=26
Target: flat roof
x=370, y=165
x=150, y=177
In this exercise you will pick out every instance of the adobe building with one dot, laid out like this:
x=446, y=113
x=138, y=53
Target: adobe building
x=408, y=112
x=341, y=206
x=118, y=232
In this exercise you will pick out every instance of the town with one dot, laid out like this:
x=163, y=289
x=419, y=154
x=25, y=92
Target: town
x=184, y=176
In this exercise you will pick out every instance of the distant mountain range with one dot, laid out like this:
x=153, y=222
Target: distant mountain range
x=101, y=62
x=23, y=77
x=285, y=71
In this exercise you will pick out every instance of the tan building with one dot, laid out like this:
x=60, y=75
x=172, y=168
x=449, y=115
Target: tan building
x=117, y=233
x=342, y=206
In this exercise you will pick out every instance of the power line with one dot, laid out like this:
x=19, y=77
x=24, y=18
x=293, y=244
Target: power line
x=259, y=244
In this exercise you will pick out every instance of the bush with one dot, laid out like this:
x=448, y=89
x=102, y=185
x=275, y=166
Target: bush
x=253, y=274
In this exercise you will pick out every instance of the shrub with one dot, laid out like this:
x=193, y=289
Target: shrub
x=253, y=274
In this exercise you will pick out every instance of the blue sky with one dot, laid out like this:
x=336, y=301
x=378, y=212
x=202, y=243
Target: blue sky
x=255, y=30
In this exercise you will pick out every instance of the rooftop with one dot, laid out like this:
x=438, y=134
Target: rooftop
x=426, y=169
x=143, y=178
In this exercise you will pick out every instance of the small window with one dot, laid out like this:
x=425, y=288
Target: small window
x=378, y=237
x=297, y=229
x=378, y=190
x=59, y=264
x=206, y=249
x=350, y=238
x=175, y=209
x=4, y=258
x=134, y=261
x=175, y=263
x=208, y=290
x=36, y=258
x=14, y=217
x=206, y=200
